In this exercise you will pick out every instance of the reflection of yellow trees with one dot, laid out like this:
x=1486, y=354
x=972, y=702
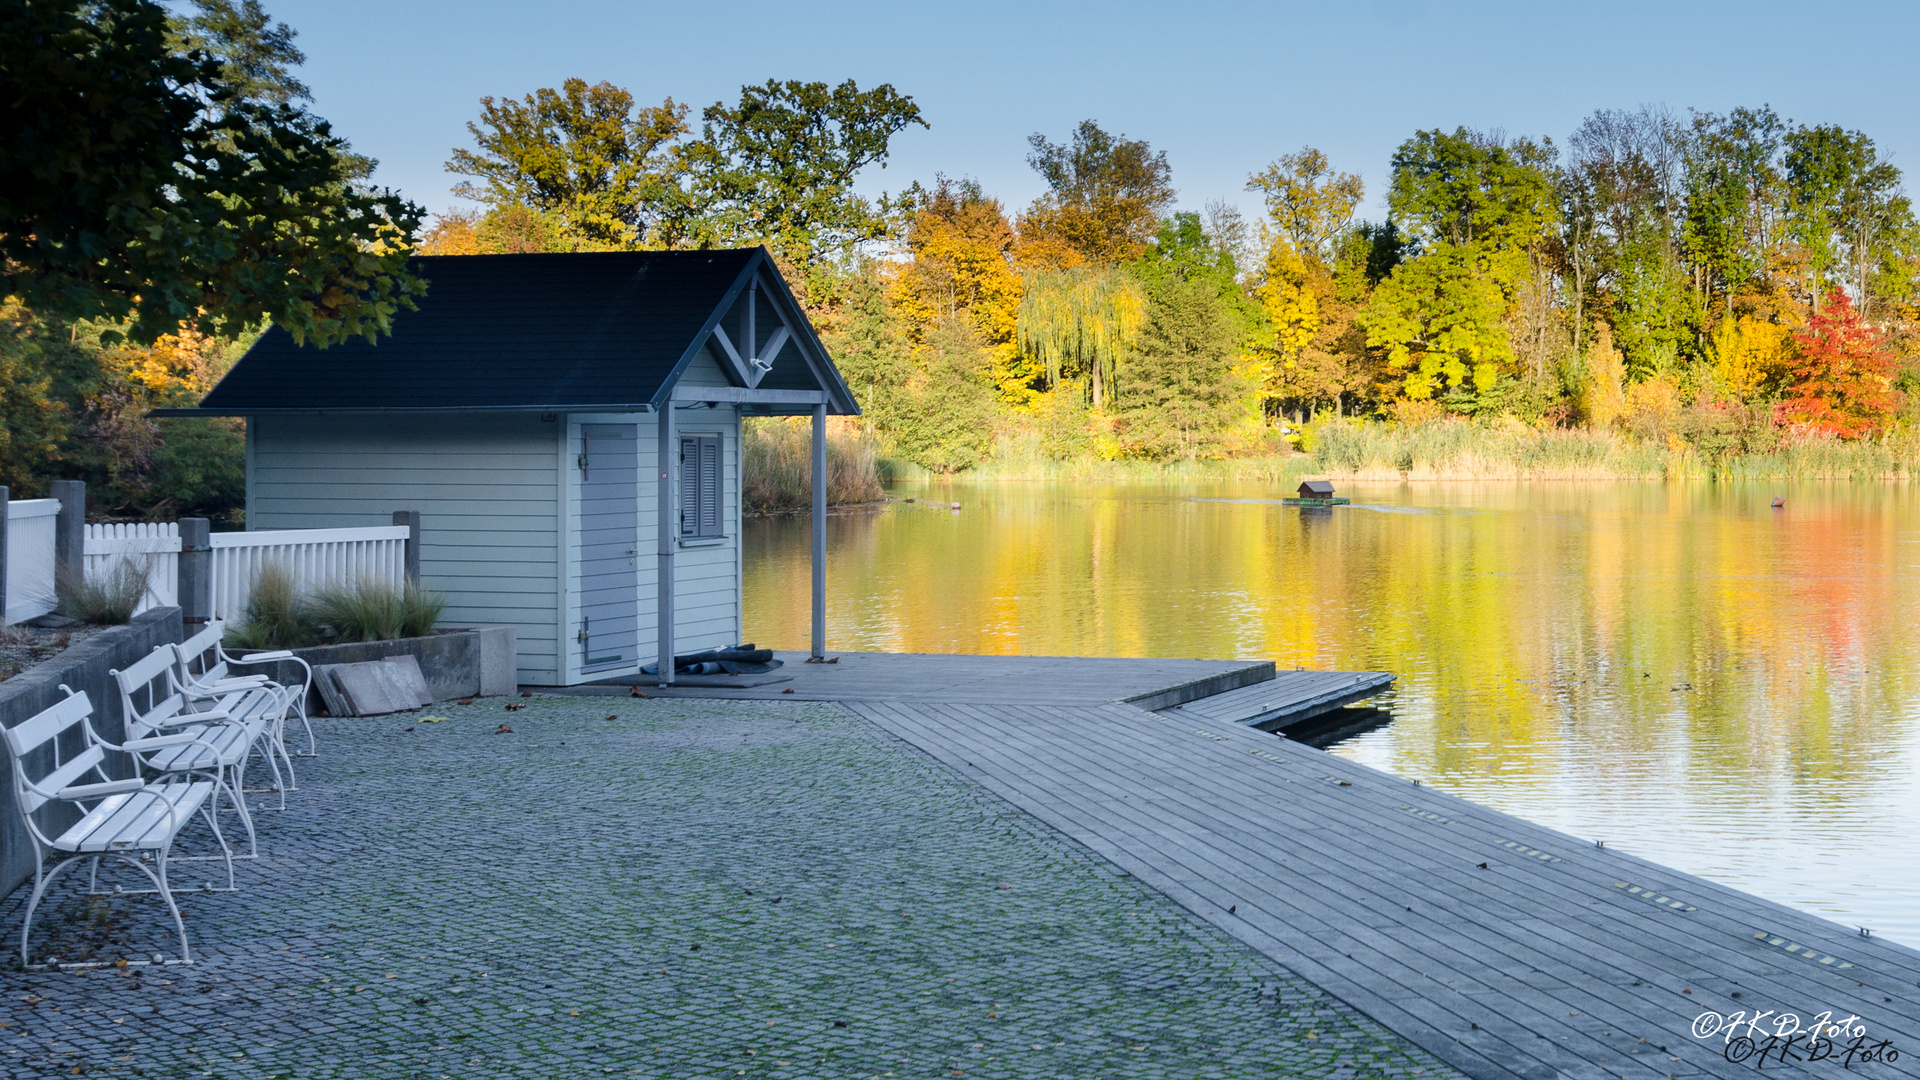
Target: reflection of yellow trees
x=1684, y=631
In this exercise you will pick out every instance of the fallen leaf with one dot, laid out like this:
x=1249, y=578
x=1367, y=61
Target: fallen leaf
x=516, y=705
x=634, y=691
x=788, y=690
x=464, y=701
x=1483, y=866
x=406, y=729
x=503, y=730
x=433, y=719
x=526, y=693
x=611, y=716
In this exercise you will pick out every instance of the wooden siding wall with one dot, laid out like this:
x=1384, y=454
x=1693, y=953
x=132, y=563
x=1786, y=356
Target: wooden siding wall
x=485, y=488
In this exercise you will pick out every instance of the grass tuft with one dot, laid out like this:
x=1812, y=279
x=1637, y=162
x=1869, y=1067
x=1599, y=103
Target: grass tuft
x=109, y=599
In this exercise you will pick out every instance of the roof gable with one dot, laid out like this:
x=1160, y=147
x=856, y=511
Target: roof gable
x=550, y=332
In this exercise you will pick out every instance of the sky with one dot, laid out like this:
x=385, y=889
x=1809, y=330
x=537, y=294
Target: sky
x=1223, y=88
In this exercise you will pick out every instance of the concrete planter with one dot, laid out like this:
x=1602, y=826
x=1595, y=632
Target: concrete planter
x=477, y=662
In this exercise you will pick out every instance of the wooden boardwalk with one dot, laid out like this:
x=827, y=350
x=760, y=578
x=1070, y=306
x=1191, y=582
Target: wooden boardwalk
x=1505, y=948
x=1286, y=700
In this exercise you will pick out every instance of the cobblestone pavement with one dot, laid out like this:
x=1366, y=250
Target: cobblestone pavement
x=680, y=889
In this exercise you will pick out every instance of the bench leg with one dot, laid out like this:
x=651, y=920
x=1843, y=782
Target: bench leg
x=42, y=881
x=158, y=875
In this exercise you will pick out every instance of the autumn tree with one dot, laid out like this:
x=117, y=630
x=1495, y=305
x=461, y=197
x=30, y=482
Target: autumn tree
x=1082, y=323
x=1843, y=378
x=1105, y=196
x=960, y=245
x=1305, y=350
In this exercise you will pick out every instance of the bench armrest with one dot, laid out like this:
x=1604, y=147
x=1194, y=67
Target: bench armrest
x=211, y=716
x=264, y=657
x=94, y=791
x=236, y=682
x=157, y=742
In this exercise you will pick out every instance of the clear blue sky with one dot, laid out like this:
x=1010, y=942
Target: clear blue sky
x=1222, y=87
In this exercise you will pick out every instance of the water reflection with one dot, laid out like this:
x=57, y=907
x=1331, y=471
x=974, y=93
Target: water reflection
x=1680, y=670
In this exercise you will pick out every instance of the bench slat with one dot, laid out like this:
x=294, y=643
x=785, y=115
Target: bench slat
x=137, y=820
x=47, y=723
x=62, y=776
x=230, y=743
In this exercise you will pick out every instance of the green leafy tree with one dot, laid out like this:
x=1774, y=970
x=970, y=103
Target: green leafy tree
x=1471, y=188
x=778, y=167
x=1105, y=195
x=256, y=55
x=1478, y=210
x=139, y=187
x=1439, y=319
x=608, y=173
x=946, y=420
x=1623, y=188
x=1849, y=214
x=1180, y=394
x=1734, y=188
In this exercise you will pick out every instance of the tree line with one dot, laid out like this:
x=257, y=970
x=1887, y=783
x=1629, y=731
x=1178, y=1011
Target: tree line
x=1721, y=282
x=1724, y=280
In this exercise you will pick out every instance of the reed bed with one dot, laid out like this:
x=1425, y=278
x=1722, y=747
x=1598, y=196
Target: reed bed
x=777, y=465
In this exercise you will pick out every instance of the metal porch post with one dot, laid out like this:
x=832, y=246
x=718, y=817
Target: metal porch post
x=663, y=589
x=819, y=532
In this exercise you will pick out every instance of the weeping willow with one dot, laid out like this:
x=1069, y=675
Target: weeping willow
x=1082, y=320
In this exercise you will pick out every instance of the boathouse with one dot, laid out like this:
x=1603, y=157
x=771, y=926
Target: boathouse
x=568, y=428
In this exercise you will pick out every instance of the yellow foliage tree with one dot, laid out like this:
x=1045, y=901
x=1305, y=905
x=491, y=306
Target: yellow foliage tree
x=1749, y=353
x=962, y=248
x=1602, y=398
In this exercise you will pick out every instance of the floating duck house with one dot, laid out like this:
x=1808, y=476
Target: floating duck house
x=1316, y=493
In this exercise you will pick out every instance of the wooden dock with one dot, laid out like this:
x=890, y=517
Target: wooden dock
x=1504, y=948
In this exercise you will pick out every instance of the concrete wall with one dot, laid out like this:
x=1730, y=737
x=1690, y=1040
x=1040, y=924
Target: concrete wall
x=465, y=663
x=86, y=667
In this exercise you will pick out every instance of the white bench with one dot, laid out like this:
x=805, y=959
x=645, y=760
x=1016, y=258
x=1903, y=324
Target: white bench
x=208, y=643
x=154, y=704
x=120, y=819
x=202, y=673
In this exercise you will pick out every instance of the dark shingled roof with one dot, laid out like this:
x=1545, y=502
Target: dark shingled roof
x=550, y=331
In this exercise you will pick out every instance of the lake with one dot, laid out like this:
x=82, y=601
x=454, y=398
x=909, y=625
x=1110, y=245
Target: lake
x=1679, y=670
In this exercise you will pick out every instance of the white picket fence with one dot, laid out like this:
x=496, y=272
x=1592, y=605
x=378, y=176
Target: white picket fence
x=151, y=546
x=29, y=526
x=315, y=558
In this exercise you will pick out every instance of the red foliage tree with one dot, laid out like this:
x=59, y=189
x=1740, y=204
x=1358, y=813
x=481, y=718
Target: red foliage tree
x=1843, y=378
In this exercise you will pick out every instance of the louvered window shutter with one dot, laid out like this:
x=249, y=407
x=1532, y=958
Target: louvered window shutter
x=700, y=515
x=710, y=486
